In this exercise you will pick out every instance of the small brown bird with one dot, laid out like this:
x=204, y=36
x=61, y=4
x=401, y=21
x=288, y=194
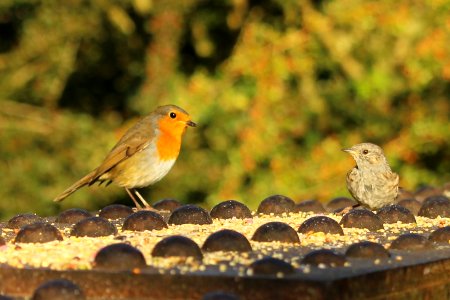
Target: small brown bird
x=371, y=182
x=143, y=156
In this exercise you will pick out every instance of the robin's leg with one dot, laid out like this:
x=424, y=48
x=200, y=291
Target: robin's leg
x=138, y=206
x=146, y=205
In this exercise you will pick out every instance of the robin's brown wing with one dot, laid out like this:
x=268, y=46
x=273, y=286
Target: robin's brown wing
x=123, y=150
x=134, y=140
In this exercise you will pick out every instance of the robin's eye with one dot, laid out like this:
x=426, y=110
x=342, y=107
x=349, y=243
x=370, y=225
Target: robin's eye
x=365, y=151
x=173, y=115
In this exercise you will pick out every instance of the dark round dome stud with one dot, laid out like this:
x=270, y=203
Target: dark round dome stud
x=277, y=205
x=144, y=220
x=93, y=227
x=441, y=236
x=411, y=204
x=394, y=213
x=167, y=205
x=362, y=218
x=58, y=289
x=115, y=211
x=21, y=220
x=404, y=194
x=189, y=214
x=38, y=233
x=119, y=256
x=271, y=266
x=320, y=224
x=339, y=203
x=366, y=249
x=410, y=242
x=435, y=206
x=276, y=232
x=230, y=209
x=177, y=245
x=227, y=240
x=72, y=216
x=313, y=206
x=427, y=191
x=219, y=295
x=323, y=257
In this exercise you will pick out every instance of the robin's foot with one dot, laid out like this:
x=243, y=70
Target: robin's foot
x=132, y=193
x=146, y=205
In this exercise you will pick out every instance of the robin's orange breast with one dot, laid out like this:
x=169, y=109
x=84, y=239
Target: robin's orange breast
x=168, y=146
x=169, y=139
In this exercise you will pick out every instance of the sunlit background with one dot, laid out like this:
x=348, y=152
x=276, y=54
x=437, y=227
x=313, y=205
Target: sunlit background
x=277, y=88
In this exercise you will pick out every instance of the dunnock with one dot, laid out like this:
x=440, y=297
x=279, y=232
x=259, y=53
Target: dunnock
x=371, y=182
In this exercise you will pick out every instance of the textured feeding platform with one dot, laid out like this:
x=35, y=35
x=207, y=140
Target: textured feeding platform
x=284, y=250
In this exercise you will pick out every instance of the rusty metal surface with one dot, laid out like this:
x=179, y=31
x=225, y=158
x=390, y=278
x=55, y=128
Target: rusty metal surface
x=406, y=275
x=419, y=276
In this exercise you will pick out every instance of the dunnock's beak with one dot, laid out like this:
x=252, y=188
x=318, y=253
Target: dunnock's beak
x=190, y=123
x=349, y=150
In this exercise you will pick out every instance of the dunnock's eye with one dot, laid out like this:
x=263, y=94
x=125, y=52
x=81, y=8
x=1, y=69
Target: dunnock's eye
x=173, y=115
x=365, y=151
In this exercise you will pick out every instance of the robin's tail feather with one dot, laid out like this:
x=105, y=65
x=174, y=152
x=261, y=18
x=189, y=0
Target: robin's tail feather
x=88, y=179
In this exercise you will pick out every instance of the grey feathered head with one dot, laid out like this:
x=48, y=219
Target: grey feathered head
x=368, y=154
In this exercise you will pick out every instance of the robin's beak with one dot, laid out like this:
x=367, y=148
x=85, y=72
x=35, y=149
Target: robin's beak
x=190, y=123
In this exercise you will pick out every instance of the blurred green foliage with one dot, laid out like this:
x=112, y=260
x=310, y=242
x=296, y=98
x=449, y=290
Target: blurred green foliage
x=277, y=88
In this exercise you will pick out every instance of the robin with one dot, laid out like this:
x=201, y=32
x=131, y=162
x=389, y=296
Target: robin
x=371, y=182
x=143, y=156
